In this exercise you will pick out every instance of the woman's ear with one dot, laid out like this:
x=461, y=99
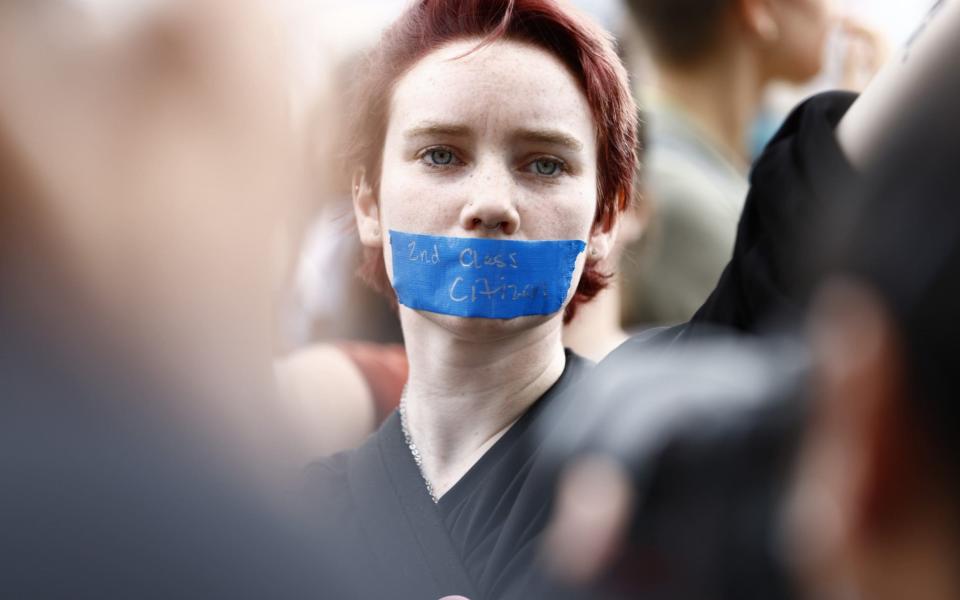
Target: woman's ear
x=366, y=207
x=601, y=242
x=759, y=18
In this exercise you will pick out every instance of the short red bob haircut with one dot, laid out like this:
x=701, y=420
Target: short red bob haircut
x=583, y=47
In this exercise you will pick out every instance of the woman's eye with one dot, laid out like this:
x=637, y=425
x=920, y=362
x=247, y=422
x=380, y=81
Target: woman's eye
x=439, y=157
x=547, y=167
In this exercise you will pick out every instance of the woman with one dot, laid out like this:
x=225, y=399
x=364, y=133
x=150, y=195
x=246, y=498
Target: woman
x=494, y=153
x=495, y=149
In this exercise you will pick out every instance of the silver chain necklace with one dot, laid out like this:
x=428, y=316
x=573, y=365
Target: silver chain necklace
x=413, y=447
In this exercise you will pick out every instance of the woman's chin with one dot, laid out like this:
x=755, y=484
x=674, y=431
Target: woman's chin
x=480, y=329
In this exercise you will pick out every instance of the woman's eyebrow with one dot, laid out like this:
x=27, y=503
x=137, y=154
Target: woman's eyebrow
x=546, y=136
x=436, y=128
x=549, y=136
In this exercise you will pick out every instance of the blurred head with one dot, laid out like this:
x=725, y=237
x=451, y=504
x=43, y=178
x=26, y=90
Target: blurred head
x=682, y=32
x=875, y=506
x=505, y=119
x=795, y=44
x=151, y=167
x=788, y=36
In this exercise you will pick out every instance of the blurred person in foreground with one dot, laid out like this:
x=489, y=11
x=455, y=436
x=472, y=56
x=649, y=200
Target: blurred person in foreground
x=845, y=485
x=712, y=61
x=144, y=173
x=874, y=508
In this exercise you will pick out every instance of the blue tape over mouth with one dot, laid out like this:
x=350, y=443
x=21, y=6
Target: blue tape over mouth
x=480, y=277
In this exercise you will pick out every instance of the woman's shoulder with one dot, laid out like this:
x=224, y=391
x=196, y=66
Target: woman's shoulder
x=576, y=364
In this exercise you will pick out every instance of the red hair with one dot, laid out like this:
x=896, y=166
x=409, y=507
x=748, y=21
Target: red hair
x=583, y=47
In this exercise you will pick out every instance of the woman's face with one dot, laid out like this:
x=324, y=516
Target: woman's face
x=500, y=143
x=803, y=29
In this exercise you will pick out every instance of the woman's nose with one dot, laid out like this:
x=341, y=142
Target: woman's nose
x=490, y=206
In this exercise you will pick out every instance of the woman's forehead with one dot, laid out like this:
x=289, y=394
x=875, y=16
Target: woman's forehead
x=504, y=85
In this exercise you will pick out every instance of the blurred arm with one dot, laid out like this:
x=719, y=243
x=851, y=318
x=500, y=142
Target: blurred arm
x=892, y=106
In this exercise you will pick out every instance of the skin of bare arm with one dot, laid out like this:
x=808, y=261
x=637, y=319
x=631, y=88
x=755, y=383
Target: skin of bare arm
x=891, y=104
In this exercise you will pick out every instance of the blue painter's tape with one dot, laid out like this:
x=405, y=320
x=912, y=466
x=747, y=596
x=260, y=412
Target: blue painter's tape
x=482, y=278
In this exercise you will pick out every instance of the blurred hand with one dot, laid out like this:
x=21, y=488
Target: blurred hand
x=161, y=162
x=589, y=526
x=162, y=153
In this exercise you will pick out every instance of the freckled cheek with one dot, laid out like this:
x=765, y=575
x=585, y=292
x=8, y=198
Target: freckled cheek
x=564, y=217
x=410, y=204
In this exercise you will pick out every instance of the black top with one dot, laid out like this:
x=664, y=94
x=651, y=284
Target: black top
x=481, y=540
x=801, y=171
x=492, y=514
x=478, y=542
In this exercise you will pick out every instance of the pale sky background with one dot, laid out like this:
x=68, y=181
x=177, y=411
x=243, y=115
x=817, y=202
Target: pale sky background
x=895, y=18
x=321, y=32
x=348, y=26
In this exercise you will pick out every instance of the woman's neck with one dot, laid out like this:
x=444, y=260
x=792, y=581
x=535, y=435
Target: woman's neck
x=466, y=389
x=721, y=95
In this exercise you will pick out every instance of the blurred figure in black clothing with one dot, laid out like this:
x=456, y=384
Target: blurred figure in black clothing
x=779, y=475
x=874, y=509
